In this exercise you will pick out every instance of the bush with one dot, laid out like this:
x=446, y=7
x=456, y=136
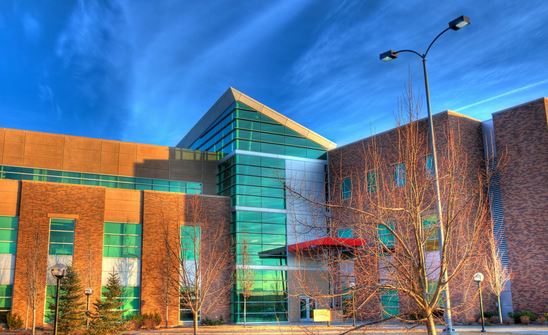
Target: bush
x=531, y=316
x=508, y=321
x=212, y=322
x=146, y=321
x=14, y=321
x=524, y=320
x=541, y=320
x=494, y=320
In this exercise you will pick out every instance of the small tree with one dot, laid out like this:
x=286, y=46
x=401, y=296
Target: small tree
x=498, y=275
x=33, y=274
x=71, y=306
x=245, y=278
x=109, y=314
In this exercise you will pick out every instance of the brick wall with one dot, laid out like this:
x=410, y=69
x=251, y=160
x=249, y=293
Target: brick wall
x=42, y=201
x=521, y=137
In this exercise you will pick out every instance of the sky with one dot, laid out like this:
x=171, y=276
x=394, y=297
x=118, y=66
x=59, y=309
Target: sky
x=146, y=71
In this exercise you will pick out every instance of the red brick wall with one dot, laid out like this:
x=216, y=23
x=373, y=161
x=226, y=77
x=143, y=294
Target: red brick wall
x=348, y=161
x=521, y=137
x=39, y=202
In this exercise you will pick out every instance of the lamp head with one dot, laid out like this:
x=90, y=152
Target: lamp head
x=88, y=291
x=59, y=270
x=478, y=277
x=459, y=22
x=351, y=284
x=388, y=55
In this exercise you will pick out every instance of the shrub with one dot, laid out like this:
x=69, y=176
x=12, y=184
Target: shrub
x=213, y=322
x=524, y=320
x=541, y=320
x=150, y=321
x=508, y=321
x=494, y=319
x=14, y=321
x=532, y=316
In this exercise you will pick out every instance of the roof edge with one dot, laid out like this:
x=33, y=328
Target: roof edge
x=231, y=95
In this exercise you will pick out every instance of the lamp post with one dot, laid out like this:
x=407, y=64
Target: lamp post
x=352, y=286
x=389, y=55
x=58, y=271
x=478, y=278
x=88, y=292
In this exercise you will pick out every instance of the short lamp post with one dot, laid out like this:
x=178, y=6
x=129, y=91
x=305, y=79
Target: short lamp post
x=352, y=286
x=58, y=271
x=88, y=292
x=478, y=278
x=456, y=24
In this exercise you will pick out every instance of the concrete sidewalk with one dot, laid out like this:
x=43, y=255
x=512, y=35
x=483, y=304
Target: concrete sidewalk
x=310, y=329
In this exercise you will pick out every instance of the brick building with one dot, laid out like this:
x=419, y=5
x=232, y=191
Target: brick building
x=102, y=206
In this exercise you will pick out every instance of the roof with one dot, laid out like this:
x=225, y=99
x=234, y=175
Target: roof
x=327, y=242
x=231, y=95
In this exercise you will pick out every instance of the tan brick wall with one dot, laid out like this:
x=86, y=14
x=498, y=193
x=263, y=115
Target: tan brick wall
x=521, y=136
x=163, y=214
x=39, y=202
x=9, y=197
x=122, y=205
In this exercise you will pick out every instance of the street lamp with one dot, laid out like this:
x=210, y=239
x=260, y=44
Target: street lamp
x=389, y=55
x=478, y=278
x=58, y=271
x=352, y=286
x=88, y=292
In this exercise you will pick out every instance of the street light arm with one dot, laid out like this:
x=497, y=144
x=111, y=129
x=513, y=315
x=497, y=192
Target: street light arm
x=410, y=51
x=434, y=40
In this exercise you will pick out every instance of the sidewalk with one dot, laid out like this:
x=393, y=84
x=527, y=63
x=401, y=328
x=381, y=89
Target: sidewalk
x=311, y=329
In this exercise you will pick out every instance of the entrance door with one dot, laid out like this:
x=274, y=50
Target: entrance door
x=307, y=306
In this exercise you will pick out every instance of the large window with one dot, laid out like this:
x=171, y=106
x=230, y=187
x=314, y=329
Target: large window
x=122, y=254
x=94, y=179
x=429, y=165
x=431, y=232
x=8, y=247
x=346, y=188
x=190, y=243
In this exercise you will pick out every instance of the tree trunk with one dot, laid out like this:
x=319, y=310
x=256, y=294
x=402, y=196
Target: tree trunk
x=431, y=325
x=167, y=313
x=33, y=330
x=245, y=311
x=195, y=322
x=500, y=309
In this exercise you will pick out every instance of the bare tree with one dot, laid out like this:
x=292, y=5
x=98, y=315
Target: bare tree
x=33, y=277
x=202, y=259
x=497, y=274
x=245, y=277
x=391, y=206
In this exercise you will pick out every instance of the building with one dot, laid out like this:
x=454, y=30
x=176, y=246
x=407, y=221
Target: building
x=102, y=206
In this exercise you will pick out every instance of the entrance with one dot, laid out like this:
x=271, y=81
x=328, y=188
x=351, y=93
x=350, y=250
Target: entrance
x=307, y=306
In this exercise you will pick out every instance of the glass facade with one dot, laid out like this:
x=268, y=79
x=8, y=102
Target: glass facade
x=346, y=188
x=8, y=244
x=390, y=303
x=94, y=179
x=122, y=254
x=254, y=178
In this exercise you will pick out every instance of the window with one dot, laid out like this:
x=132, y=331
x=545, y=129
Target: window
x=8, y=234
x=399, y=174
x=122, y=240
x=190, y=242
x=346, y=188
x=344, y=233
x=429, y=165
x=431, y=232
x=390, y=303
x=371, y=181
x=61, y=237
x=385, y=236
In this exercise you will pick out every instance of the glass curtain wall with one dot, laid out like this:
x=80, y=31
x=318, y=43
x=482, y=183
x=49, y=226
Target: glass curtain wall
x=255, y=184
x=8, y=246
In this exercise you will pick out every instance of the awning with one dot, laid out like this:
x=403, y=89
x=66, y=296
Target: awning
x=327, y=242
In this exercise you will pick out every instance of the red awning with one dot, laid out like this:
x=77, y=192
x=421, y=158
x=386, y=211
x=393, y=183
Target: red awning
x=327, y=242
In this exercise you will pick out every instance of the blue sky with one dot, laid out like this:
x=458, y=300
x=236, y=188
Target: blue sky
x=146, y=71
